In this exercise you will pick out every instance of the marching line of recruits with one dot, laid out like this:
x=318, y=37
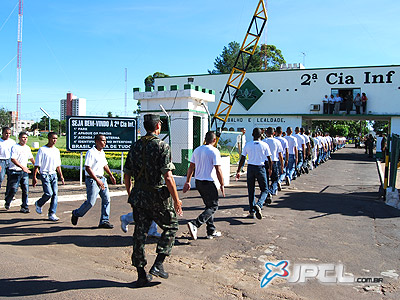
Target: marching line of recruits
x=153, y=196
x=282, y=157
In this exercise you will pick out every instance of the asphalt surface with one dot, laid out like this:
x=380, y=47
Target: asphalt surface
x=332, y=215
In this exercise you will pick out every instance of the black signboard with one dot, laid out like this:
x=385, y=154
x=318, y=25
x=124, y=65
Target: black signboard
x=119, y=132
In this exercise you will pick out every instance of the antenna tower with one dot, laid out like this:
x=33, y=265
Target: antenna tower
x=19, y=52
x=126, y=89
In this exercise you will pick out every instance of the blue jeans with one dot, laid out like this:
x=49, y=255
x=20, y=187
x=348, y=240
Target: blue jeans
x=291, y=166
x=4, y=163
x=282, y=175
x=50, y=191
x=16, y=178
x=256, y=172
x=300, y=160
x=92, y=190
x=273, y=185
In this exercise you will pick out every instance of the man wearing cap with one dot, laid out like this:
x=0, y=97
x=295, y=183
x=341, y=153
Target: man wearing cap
x=149, y=163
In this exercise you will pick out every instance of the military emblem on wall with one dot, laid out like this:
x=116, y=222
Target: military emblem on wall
x=248, y=94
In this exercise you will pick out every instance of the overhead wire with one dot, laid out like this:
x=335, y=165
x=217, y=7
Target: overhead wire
x=16, y=5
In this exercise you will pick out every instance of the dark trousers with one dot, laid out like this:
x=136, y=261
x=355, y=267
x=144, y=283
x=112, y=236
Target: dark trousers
x=256, y=173
x=209, y=193
x=364, y=106
x=325, y=108
x=331, y=108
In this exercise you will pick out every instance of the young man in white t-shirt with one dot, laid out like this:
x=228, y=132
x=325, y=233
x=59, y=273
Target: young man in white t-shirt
x=5, y=150
x=96, y=183
x=48, y=160
x=293, y=155
x=204, y=160
x=18, y=172
x=258, y=153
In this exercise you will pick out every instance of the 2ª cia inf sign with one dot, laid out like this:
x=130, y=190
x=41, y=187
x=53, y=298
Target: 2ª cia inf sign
x=119, y=132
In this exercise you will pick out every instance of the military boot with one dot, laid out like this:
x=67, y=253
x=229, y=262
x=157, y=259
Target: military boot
x=158, y=269
x=143, y=278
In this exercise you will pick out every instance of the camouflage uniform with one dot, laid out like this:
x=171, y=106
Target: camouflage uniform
x=149, y=197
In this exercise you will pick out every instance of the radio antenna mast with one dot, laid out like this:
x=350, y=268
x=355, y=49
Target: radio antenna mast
x=19, y=53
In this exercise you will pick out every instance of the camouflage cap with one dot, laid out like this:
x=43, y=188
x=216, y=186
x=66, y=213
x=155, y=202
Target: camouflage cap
x=151, y=117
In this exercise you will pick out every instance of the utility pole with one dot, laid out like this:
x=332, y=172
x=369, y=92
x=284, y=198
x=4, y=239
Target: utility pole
x=126, y=91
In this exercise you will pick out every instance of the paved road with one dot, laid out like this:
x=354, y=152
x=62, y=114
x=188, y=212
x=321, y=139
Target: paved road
x=332, y=215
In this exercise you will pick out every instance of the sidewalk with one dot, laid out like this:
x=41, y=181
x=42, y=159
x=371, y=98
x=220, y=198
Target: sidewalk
x=331, y=215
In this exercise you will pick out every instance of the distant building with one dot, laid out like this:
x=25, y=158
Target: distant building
x=72, y=106
x=23, y=125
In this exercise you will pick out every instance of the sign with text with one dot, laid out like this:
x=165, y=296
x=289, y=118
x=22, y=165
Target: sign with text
x=119, y=132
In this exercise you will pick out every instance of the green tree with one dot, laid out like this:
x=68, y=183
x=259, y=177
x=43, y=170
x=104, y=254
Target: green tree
x=265, y=58
x=43, y=124
x=149, y=80
x=5, y=118
x=341, y=128
x=63, y=126
x=381, y=126
x=109, y=114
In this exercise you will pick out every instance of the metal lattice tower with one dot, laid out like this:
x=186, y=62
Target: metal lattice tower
x=19, y=53
x=239, y=69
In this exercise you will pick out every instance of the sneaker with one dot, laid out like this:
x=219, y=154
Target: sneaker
x=287, y=181
x=53, y=218
x=279, y=186
x=192, y=230
x=269, y=199
x=258, y=212
x=7, y=206
x=124, y=224
x=24, y=210
x=306, y=169
x=74, y=219
x=214, y=234
x=38, y=208
x=106, y=225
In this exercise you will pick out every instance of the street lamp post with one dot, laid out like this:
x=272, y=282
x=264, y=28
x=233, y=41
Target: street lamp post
x=45, y=112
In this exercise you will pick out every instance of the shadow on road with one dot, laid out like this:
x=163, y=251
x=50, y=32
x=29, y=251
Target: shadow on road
x=103, y=241
x=39, y=285
x=351, y=204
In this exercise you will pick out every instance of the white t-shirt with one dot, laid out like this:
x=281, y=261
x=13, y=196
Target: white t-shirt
x=205, y=158
x=96, y=160
x=306, y=138
x=292, y=142
x=275, y=147
x=300, y=141
x=5, y=148
x=48, y=159
x=20, y=154
x=258, y=152
x=284, y=144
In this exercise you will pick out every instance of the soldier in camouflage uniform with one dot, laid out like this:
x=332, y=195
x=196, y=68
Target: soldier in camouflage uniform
x=149, y=163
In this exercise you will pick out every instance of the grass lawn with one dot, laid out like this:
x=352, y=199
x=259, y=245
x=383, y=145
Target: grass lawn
x=61, y=142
